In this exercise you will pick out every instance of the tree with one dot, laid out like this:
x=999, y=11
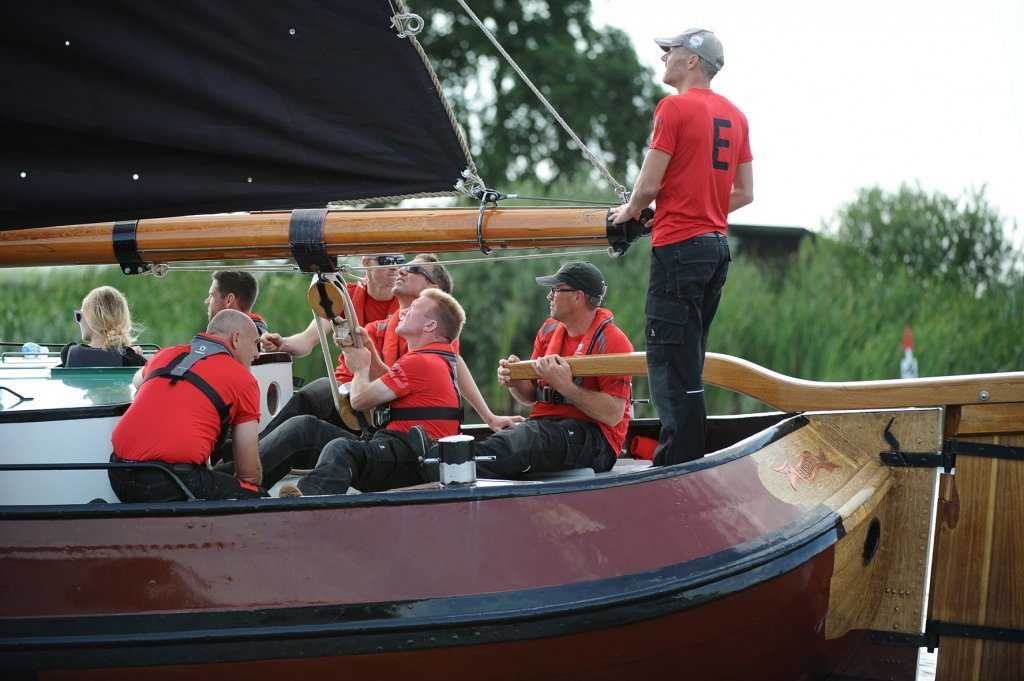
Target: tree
x=933, y=238
x=592, y=77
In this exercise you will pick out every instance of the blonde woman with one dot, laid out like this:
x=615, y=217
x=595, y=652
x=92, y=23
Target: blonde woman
x=107, y=330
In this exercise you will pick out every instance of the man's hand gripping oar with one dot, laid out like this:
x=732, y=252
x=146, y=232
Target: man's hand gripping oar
x=328, y=298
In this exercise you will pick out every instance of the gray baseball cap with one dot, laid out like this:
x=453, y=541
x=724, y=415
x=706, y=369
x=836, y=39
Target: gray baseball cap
x=701, y=42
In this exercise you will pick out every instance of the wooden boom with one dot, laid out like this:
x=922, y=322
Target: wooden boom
x=794, y=394
x=346, y=232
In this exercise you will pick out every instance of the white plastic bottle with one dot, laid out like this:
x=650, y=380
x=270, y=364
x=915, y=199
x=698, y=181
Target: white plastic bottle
x=32, y=350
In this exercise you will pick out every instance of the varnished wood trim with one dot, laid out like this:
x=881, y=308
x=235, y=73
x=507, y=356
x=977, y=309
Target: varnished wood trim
x=794, y=394
x=346, y=232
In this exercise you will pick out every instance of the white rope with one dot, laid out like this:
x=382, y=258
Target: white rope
x=490, y=259
x=619, y=188
x=346, y=270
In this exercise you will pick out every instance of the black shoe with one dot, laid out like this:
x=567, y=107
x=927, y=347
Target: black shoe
x=419, y=441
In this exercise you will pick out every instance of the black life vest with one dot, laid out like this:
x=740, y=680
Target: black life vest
x=260, y=322
x=384, y=414
x=180, y=368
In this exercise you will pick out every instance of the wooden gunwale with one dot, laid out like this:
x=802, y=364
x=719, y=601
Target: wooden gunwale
x=346, y=232
x=795, y=394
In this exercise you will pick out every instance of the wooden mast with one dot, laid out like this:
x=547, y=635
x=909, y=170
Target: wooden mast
x=236, y=236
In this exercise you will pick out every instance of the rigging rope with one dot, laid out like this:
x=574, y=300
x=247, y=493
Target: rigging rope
x=471, y=173
x=524, y=256
x=160, y=269
x=620, y=190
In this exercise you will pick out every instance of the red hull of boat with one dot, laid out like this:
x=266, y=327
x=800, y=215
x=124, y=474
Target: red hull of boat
x=696, y=570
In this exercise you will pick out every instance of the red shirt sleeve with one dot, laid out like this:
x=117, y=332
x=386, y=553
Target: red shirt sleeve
x=406, y=375
x=247, y=407
x=667, y=122
x=744, y=155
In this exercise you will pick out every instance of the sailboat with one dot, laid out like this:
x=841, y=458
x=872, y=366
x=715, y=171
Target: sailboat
x=830, y=539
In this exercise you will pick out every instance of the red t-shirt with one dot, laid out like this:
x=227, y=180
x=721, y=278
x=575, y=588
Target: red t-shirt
x=617, y=386
x=177, y=423
x=707, y=138
x=368, y=308
x=423, y=380
x=390, y=346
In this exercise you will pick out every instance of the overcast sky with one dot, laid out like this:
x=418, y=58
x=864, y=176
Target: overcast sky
x=844, y=95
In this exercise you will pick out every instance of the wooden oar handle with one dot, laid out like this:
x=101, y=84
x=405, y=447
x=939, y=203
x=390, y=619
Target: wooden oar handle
x=621, y=364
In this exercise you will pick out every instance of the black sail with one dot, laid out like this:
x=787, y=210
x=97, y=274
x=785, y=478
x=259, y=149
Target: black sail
x=118, y=110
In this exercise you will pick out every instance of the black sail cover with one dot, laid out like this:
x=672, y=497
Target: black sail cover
x=119, y=110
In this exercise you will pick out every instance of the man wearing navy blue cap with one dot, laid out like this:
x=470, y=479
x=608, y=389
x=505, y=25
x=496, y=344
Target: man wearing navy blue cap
x=575, y=422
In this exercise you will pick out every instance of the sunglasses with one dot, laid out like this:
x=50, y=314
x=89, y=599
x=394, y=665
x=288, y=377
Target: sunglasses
x=556, y=291
x=78, y=316
x=390, y=260
x=422, y=271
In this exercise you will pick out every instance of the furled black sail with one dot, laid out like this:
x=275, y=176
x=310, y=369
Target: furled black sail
x=120, y=110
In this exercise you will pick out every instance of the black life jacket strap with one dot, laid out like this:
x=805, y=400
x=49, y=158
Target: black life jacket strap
x=180, y=367
x=453, y=369
x=427, y=414
x=261, y=325
x=433, y=413
x=199, y=348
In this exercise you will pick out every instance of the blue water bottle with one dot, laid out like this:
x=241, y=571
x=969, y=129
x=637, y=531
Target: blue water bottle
x=33, y=351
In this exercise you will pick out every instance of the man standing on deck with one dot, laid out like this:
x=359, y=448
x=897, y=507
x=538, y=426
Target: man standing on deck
x=234, y=290
x=575, y=422
x=189, y=396
x=698, y=170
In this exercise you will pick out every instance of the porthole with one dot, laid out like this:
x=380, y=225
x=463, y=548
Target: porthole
x=273, y=396
x=872, y=540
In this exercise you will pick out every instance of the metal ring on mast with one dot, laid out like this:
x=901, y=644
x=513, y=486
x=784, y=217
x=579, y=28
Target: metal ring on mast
x=480, y=228
x=486, y=195
x=407, y=24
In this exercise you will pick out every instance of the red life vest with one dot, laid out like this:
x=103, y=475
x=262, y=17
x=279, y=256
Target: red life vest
x=553, y=335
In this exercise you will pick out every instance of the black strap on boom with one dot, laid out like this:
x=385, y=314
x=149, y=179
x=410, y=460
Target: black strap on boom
x=306, y=240
x=126, y=249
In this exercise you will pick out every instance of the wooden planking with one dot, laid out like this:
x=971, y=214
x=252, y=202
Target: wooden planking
x=983, y=419
x=977, y=576
x=967, y=659
x=888, y=593
x=793, y=394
